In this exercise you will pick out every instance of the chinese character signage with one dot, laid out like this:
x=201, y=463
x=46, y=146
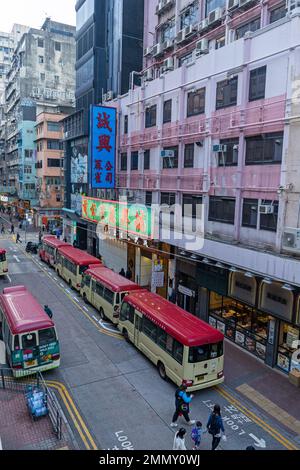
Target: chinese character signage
x=134, y=219
x=103, y=147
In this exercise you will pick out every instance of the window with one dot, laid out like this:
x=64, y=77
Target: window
x=56, y=79
x=98, y=288
x=192, y=206
x=196, y=102
x=109, y=296
x=27, y=170
x=41, y=59
x=150, y=117
x=57, y=46
x=189, y=155
x=167, y=111
x=123, y=161
x=220, y=42
x=168, y=30
x=147, y=159
x=28, y=153
x=250, y=213
x=54, y=145
x=125, y=124
x=53, y=126
x=134, y=161
x=213, y=4
x=54, y=163
x=47, y=336
x=257, y=83
x=82, y=269
x=186, y=59
x=168, y=161
x=230, y=157
x=264, y=149
x=205, y=352
x=221, y=210
x=149, y=329
x=252, y=26
x=148, y=200
x=189, y=15
x=43, y=77
x=278, y=13
x=40, y=42
x=168, y=198
x=269, y=221
x=227, y=93
x=29, y=341
x=127, y=313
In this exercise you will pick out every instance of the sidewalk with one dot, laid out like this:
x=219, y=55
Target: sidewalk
x=267, y=388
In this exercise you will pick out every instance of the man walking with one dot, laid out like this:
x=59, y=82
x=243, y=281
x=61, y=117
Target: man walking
x=18, y=238
x=182, y=405
x=12, y=229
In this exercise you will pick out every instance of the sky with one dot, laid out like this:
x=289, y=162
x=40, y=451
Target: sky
x=33, y=12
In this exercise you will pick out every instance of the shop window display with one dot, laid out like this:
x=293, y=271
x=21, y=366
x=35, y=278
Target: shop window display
x=241, y=323
x=288, y=336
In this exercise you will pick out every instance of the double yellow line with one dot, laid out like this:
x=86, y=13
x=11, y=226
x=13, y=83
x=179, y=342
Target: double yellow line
x=79, y=424
x=275, y=434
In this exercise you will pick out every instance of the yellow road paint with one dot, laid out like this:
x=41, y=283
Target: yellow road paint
x=275, y=434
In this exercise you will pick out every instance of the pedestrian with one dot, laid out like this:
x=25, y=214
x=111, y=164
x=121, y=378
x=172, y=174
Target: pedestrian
x=40, y=236
x=182, y=406
x=48, y=311
x=215, y=426
x=129, y=274
x=122, y=273
x=196, y=435
x=18, y=240
x=179, y=440
x=43, y=228
x=2, y=230
x=12, y=229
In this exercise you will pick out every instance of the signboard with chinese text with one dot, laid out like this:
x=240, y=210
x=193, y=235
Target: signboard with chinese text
x=103, y=147
x=134, y=219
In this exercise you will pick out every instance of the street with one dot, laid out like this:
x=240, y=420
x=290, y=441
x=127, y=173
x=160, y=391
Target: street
x=118, y=393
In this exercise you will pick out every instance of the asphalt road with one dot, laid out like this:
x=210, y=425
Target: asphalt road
x=116, y=391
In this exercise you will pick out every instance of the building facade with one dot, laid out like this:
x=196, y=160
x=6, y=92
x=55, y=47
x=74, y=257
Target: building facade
x=109, y=46
x=215, y=124
x=41, y=75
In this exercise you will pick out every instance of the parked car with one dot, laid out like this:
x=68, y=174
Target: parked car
x=32, y=247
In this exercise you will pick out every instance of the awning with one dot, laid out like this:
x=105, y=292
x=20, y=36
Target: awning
x=73, y=215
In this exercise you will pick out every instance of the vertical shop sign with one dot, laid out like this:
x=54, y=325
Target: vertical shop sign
x=103, y=147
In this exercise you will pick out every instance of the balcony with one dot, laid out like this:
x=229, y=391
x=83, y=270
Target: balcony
x=167, y=180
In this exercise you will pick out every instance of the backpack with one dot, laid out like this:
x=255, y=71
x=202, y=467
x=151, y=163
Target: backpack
x=180, y=403
x=214, y=427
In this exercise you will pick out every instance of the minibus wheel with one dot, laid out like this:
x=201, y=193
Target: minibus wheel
x=162, y=371
x=102, y=314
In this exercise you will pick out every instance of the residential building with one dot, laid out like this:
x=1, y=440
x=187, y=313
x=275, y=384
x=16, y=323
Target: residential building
x=41, y=75
x=109, y=46
x=215, y=124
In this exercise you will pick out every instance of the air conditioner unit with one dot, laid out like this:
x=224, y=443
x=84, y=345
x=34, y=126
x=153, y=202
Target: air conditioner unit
x=105, y=97
x=204, y=24
x=202, y=47
x=109, y=95
x=245, y=2
x=215, y=15
x=147, y=51
x=188, y=31
x=218, y=148
x=232, y=4
x=167, y=154
x=157, y=50
x=266, y=209
x=180, y=36
x=167, y=44
x=169, y=64
x=291, y=239
x=149, y=75
x=159, y=7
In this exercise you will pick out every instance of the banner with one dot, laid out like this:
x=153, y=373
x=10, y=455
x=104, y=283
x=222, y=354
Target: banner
x=103, y=147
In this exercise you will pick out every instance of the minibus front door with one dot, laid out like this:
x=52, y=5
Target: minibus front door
x=138, y=318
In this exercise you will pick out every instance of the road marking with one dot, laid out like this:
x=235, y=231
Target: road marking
x=61, y=284
x=86, y=309
x=258, y=442
x=76, y=300
x=9, y=278
x=16, y=258
x=270, y=430
x=271, y=408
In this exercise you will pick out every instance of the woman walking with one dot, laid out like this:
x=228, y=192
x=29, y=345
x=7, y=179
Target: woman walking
x=215, y=426
x=179, y=440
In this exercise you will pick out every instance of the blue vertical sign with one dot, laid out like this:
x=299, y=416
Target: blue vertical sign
x=103, y=147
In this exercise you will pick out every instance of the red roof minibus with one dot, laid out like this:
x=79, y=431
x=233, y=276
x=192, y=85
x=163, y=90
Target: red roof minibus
x=29, y=334
x=48, y=250
x=105, y=290
x=71, y=263
x=183, y=347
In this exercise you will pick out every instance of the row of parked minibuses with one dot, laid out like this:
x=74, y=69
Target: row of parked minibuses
x=184, y=348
